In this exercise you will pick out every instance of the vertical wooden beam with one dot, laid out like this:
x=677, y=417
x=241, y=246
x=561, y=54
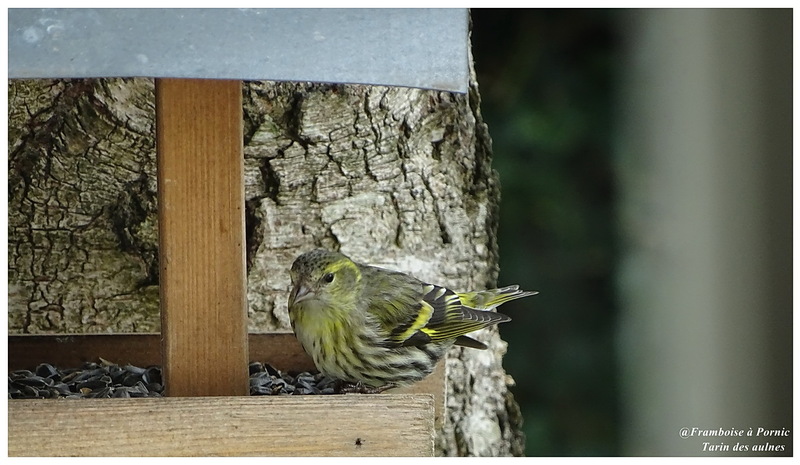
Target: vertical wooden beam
x=201, y=237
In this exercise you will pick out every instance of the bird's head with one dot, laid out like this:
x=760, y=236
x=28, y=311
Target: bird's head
x=321, y=278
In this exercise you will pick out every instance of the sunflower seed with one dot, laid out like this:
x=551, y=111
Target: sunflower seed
x=107, y=379
x=45, y=370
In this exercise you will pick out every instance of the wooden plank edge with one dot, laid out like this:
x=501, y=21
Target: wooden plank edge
x=435, y=384
x=25, y=351
x=347, y=425
x=281, y=350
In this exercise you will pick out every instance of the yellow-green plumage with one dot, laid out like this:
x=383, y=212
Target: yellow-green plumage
x=382, y=328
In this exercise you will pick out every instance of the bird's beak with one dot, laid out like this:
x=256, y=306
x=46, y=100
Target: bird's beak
x=300, y=292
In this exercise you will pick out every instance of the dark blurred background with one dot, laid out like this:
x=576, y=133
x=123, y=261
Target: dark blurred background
x=628, y=144
x=547, y=80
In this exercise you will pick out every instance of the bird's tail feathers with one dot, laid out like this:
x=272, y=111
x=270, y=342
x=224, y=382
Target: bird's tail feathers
x=492, y=298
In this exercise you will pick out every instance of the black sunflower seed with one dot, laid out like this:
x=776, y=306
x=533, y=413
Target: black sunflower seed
x=107, y=379
x=45, y=370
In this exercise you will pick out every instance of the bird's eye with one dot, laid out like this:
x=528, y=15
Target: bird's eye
x=327, y=278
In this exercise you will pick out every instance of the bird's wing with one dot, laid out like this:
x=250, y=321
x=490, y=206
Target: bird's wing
x=440, y=315
x=393, y=299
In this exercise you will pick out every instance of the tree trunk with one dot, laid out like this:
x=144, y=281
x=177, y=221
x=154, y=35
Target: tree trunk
x=395, y=177
x=82, y=245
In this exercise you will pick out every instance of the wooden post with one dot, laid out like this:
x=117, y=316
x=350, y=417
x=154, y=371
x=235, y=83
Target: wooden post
x=201, y=237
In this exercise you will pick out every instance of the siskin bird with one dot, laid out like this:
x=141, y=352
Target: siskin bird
x=373, y=328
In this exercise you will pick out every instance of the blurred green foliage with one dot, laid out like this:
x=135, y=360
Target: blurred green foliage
x=547, y=80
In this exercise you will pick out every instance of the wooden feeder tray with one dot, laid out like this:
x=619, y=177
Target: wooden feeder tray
x=399, y=423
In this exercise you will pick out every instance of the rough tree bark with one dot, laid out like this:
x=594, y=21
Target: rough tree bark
x=394, y=177
x=82, y=247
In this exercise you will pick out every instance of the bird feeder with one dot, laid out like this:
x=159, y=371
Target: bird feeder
x=199, y=59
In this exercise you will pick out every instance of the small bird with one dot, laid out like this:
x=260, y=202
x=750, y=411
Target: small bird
x=374, y=329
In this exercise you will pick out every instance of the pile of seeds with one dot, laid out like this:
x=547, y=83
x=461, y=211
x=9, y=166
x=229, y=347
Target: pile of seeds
x=266, y=380
x=106, y=380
